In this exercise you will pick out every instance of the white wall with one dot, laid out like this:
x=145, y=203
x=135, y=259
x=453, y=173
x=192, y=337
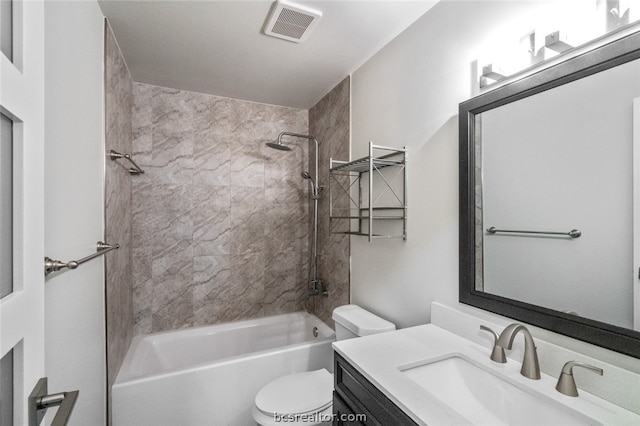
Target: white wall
x=408, y=94
x=74, y=204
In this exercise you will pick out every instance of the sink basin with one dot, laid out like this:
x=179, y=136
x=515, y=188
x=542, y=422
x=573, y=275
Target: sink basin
x=484, y=398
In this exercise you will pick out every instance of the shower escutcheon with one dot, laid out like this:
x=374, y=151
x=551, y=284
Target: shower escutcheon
x=318, y=288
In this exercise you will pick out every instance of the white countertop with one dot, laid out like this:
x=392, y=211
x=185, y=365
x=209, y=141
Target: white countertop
x=382, y=357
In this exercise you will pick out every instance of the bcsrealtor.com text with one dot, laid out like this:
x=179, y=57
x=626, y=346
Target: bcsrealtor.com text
x=319, y=417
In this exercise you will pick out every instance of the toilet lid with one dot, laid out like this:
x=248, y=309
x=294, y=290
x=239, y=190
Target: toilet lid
x=299, y=393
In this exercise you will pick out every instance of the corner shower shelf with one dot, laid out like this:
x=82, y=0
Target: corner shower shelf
x=379, y=200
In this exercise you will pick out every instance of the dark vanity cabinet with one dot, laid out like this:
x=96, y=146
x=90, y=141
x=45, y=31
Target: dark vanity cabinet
x=356, y=401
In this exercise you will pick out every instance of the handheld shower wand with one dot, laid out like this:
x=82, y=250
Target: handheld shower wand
x=314, y=188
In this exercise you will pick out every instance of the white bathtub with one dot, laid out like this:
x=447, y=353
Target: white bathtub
x=209, y=376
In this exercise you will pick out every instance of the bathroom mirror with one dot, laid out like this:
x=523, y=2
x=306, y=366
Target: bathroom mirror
x=550, y=193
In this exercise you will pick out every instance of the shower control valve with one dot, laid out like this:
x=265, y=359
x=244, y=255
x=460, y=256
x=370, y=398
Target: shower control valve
x=318, y=288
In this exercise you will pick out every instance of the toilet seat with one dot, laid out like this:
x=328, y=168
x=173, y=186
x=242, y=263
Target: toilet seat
x=296, y=394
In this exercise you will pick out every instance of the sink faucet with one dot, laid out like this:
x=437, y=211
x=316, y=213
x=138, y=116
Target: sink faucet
x=530, y=367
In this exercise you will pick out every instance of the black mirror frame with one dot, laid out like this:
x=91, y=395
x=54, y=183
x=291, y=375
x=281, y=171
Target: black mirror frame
x=612, y=337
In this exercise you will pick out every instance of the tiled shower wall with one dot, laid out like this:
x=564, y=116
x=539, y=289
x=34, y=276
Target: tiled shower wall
x=329, y=122
x=119, y=293
x=220, y=221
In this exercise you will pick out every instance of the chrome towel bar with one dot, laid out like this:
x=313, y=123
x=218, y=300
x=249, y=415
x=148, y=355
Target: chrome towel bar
x=574, y=233
x=135, y=170
x=51, y=265
x=39, y=402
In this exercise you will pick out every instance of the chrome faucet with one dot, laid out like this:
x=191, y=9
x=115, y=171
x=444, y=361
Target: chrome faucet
x=566, y=382
x=530, y=367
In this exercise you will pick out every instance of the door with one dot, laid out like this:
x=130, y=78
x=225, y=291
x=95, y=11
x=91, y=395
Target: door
x=21, y=205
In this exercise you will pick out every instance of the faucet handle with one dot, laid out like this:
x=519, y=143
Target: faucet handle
x=566, y=382
x=497, y=353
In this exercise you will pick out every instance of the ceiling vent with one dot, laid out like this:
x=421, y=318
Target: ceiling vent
x=291, y=21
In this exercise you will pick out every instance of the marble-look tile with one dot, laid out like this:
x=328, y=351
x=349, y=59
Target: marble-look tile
x=247, y=230
x=170, y=199
x=141, y=270
x=211, y=271
x=286, y=277
x=142, y=124
x=291, y=195
x=246, y=166
x=172, y=270
x=142, y=312
x=118, y=208
x=219, y=116
x=247, y=198
x=214, y=205
x=171, y=111
x=329, y=121
x=211, y=232
x=212, y=161
x=215, y=198
x=171, y=257
x=247, y=276
x=173, y=314
x=285, y=227
x=211, y=279
x=171, y=159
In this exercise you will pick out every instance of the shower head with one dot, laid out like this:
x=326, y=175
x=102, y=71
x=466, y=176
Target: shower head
x=278, y=146
x=305, y=175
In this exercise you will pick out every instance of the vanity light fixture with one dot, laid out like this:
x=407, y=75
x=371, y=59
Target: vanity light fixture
x=557, y=42
x=491, y=74
x=585, y=22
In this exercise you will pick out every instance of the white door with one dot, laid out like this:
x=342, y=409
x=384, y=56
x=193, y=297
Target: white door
x=21, y=205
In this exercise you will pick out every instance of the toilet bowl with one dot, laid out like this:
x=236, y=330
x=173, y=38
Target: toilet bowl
x=296, y=399
x=306, y=398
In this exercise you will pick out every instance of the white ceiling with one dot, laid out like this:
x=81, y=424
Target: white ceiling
x=218, y=47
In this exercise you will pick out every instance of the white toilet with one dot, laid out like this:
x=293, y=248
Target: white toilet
x=306, y=398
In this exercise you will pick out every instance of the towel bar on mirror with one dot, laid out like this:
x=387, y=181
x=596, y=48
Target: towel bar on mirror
x=574, y=233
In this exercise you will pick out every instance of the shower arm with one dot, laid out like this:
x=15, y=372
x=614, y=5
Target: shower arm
x=310, y=138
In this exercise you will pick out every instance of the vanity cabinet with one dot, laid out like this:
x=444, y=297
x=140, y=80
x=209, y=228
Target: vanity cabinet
x=354, y=396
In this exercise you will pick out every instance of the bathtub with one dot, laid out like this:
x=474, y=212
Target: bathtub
x=209, y=376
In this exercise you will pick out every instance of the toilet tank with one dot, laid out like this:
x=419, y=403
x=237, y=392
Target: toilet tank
x=353, y=321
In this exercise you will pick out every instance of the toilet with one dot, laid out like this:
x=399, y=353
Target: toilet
x=307, y=398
